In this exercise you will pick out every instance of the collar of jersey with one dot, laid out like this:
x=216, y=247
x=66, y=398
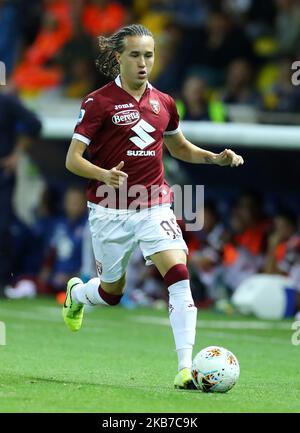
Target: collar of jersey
x=118, y=83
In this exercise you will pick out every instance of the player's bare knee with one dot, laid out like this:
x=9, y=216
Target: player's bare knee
x=165, y=260
x=116, y=287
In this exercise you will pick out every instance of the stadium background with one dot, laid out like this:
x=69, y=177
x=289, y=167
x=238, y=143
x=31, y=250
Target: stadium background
x=224, y=62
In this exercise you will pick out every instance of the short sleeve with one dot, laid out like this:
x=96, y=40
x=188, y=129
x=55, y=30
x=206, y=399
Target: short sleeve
x=173, y=125
x=89, y=121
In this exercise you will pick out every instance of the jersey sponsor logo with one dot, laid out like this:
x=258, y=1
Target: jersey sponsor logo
x=155, y=105
x=142, y=138
x=81, y=116
x=122, y=106
x=140, y=152
x=126, y=117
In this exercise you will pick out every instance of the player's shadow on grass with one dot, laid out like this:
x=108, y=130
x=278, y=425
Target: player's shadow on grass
x=35, y=379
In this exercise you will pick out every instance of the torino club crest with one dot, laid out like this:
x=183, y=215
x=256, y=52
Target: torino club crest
x=155, y=105
x=99, y=268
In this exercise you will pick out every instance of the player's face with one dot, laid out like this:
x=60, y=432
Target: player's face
x=136, y=61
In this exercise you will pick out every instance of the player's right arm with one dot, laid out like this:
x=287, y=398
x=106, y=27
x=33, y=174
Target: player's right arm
x=89, y=122
x=77, y=164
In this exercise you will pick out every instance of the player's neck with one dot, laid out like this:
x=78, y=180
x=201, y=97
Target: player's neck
x=135, y=91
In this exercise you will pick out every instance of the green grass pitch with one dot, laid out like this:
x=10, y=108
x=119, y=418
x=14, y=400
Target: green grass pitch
x=124, y=361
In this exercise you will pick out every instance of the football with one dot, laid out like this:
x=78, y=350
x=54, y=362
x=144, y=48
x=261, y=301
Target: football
x=215, y=369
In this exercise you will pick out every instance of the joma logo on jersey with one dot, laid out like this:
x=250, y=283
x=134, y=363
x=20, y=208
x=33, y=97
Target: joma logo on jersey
x=140, y=152
x=122, y=106
x=126, y=117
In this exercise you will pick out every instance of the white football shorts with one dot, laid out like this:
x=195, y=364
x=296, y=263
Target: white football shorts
x=117, y=232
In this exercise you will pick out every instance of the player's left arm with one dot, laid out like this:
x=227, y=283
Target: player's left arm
x=181, y=148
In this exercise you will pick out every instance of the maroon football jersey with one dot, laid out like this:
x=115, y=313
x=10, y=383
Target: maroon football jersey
x=116, y=127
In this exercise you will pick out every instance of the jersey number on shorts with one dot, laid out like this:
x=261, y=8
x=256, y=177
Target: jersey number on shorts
x=172, y=228
x=142, y=139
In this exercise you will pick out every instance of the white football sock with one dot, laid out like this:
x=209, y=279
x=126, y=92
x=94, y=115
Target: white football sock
x=183, y=318
x=88, y=293
x=184, y=358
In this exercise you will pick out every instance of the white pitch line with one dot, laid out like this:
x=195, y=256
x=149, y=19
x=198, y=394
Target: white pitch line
x=220, y=324
x=247, y=337
x=202, y=324
x=31, y=315
x=53, y=314
x=49, y=310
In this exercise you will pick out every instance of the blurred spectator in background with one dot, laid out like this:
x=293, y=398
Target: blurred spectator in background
x=29, y=245
x=239, y=86
x=290, y=264
x=262, y=15
x=30, y=18
x=65, y=248
x=189, y=13
x=63, y=252
x=250, y=208
x=19, y=128
x=10, y=34
x=168, y=72
x=205, y=261
x=244, y=252
x=283, y=96
x=276, y=293
x=37, y=69
x=62, y=52
x=196, y=103
x=256, y=16
x=280, y=242
x=77, y=60
x=239, y=262
x=103, y=17
x=288, y=26
x=192, y=36
x=213, y=47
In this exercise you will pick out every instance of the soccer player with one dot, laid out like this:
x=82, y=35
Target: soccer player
x=124, y=125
